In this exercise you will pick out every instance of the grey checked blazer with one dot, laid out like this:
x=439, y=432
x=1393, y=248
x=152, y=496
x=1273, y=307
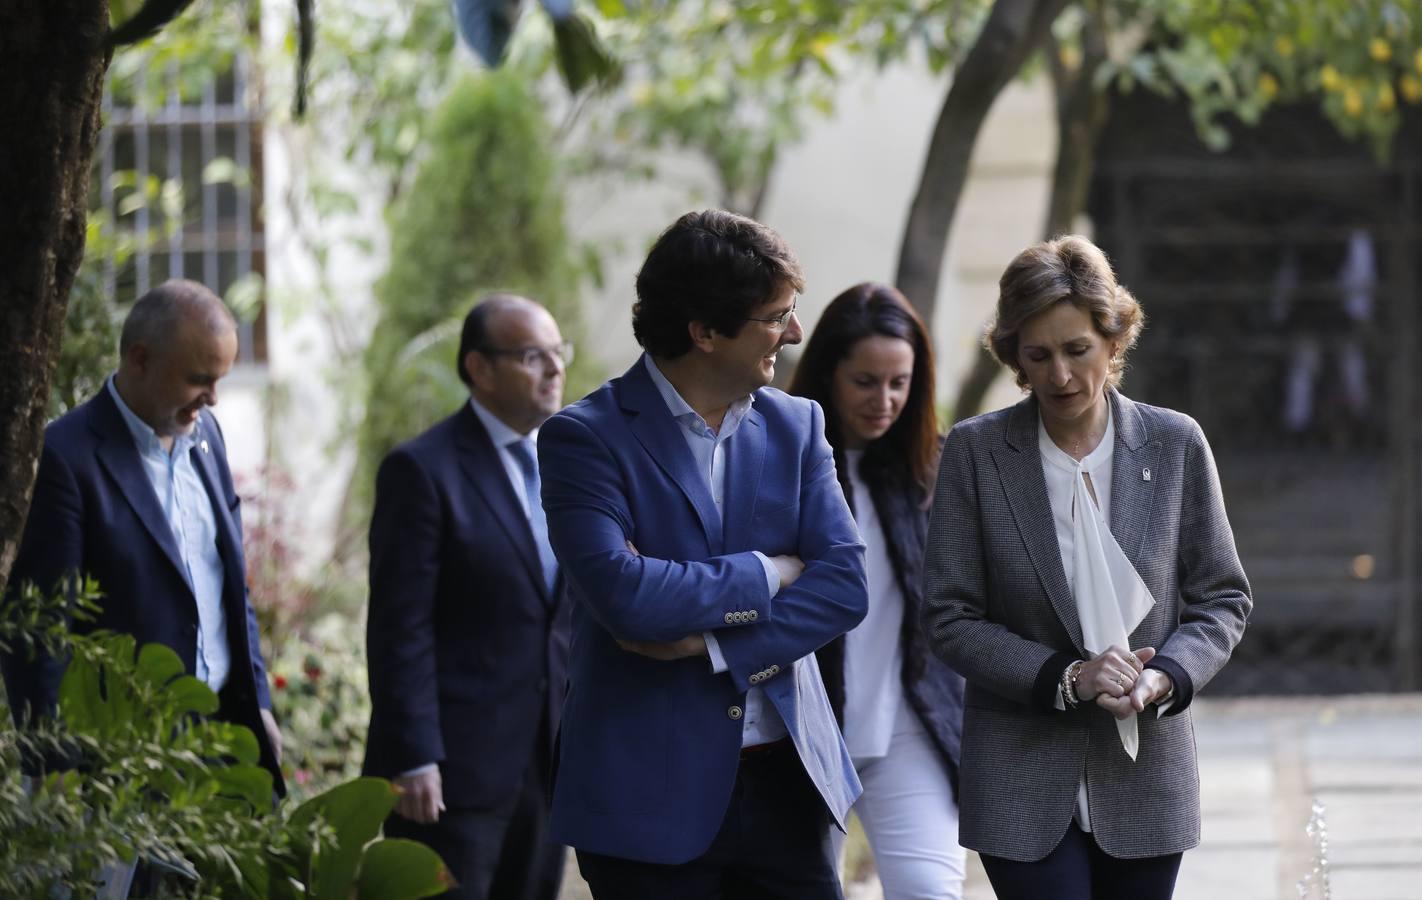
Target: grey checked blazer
x=998, y=609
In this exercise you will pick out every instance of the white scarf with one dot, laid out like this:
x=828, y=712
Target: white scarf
x=1111, y=598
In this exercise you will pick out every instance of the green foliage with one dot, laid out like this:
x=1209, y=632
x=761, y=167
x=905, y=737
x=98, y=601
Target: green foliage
x=321, y=697
x=485, y=212
x=1361, y=60
x=158, y=779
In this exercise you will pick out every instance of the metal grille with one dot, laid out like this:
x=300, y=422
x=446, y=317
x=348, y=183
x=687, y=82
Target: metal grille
x=209, y=146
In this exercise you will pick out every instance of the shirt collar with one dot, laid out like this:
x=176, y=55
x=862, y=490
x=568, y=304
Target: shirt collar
x=680, y=409
x=144, y=436
x=1091, y=461
x=499, y=432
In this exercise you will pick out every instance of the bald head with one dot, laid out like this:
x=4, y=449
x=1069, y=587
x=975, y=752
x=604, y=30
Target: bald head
x=178, y=341
x=175, y=306
x=483, y=320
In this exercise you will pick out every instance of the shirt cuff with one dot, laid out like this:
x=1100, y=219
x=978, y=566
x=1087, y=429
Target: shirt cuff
x=713, y=651
x=421, y=770
x=772, y=574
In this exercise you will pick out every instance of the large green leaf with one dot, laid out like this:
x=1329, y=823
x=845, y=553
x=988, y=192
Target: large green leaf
x=252, y=784
x=397, y=869
x=355, y=810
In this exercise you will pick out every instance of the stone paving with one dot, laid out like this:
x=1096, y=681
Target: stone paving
x=1263, y=763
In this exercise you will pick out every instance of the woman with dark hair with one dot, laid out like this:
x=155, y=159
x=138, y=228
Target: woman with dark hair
x=1083, y=577
x=869, y=364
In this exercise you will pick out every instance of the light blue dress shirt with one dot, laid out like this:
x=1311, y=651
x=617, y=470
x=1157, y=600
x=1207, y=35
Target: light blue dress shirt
x=188, y=509
x=504, y=437
x=762, y=723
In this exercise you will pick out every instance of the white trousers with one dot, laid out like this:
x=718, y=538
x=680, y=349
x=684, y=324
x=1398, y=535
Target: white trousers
x=911, y=820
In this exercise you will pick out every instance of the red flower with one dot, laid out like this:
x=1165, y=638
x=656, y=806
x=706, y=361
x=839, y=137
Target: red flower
x=313, y=672
x=279, y=682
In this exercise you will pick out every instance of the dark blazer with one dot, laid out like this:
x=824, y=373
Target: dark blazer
x=649, y=751
x=467, y=647
x=998, y=608
x=95, y=512
x=934, y=691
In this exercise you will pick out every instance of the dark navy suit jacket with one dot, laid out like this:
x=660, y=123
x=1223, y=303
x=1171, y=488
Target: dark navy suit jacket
x=649, y=750
x=467, y=647
x=94, y=512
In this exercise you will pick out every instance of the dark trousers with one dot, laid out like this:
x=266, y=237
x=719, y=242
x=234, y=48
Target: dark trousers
x=1078, y=869
x=496, y=854
x=773, y=843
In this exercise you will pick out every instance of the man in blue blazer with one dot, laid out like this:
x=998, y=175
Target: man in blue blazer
x=697, y=516
x=133, y=489
x=468, y=629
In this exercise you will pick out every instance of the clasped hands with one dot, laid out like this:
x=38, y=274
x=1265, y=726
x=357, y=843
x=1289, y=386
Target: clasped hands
x=1118, y=681
x=789, y=568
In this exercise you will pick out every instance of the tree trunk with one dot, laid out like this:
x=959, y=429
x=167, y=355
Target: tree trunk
x=52, y=64
x=1081, y=112
x=1013, y=30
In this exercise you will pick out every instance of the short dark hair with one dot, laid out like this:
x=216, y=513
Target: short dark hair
x=712, y=267
x=911, y=445
x=153, y=320
x=475, y=333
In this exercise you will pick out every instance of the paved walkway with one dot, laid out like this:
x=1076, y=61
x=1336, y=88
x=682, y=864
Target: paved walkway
x=1263, y=763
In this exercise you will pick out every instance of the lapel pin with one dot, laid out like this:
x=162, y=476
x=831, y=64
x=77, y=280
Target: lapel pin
x=203, y=445
x=1145, y=473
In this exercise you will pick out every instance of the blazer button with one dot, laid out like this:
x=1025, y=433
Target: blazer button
x=730, y=618
x=734, y=712
x=752, y=615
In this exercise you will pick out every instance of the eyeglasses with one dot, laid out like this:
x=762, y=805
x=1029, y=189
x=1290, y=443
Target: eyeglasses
x=780, y=322
x=536, y=357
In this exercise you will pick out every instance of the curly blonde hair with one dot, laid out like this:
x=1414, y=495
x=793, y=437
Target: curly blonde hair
x=1069, y=268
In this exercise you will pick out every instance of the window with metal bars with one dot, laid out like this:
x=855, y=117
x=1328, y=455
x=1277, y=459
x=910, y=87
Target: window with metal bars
x=180, y=185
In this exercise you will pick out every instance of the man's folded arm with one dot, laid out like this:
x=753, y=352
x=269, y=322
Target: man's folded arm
x=829, y=598
x=634, y=596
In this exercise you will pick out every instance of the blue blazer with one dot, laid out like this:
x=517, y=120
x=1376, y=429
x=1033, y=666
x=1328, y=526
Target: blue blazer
x=467, y=647
x=649, y=750
x=94, y=512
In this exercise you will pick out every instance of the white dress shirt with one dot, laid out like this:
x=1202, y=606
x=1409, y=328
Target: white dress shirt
x=188, y=510
x=762, y=723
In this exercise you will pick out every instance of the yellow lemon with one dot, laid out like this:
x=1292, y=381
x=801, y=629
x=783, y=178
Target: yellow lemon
x=1379, y=50
x=1387, y=100
x=1411, y=88
x=1353, y=101
x=1329, y=78
x=1283, y=46
x=1268, y=86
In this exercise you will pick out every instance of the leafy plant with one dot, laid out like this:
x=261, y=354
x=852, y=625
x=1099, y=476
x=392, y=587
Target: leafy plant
x=153, y=776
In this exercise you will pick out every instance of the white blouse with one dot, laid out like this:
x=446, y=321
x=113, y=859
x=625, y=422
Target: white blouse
x=1059, y=469
x=873, y=656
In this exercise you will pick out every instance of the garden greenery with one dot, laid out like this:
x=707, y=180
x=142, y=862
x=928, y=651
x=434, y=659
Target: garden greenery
x=153, y=777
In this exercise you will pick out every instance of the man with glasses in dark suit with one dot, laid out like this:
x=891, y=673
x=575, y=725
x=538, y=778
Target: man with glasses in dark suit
x=468, y=629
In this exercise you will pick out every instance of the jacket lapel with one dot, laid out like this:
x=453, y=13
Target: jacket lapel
x=659, y=434
x=1019, y=466
x=1132, y=489
x=119, y=457
x=229, y=537
x=484, y=468
x=745, y=460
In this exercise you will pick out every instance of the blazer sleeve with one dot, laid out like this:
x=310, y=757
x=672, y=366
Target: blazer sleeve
x=51, y=557
x=955, y=612
x=635, y=597
x=405, y=534
x=830, y=597
x=1215, y=599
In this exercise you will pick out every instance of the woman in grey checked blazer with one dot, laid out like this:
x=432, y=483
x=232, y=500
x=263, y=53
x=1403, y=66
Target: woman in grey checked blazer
x=1050, y=795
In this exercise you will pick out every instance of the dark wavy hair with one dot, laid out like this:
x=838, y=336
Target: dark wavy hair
x=712, y=267
x=910, y=446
